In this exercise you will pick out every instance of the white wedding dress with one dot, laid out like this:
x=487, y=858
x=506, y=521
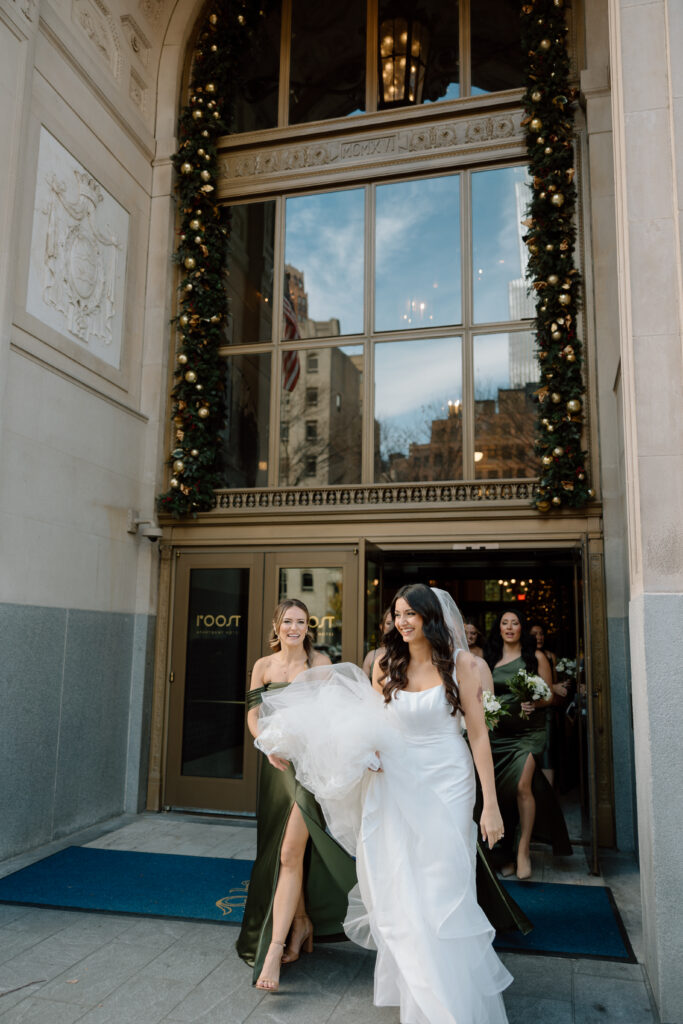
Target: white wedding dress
x=410, y=828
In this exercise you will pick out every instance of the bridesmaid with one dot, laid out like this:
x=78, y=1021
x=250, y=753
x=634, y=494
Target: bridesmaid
x=286, y=886
x=386, y=625
x=526, y=798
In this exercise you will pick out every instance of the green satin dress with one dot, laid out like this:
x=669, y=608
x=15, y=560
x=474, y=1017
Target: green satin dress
x=329, y=872
x=511, y=743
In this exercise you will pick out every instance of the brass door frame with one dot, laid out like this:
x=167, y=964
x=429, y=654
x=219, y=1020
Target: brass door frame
x=320, y=558
x=196, y=792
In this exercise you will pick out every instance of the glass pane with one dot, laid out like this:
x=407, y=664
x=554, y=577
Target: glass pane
x=496, y=46
x=418, y=410
x=321, y=590
x=418, y=254
x=321, y=415
x=245, y=436
x=505, y=379
x=250, y=284
x=258, y=76
x=499, y=200
x=216, y=673
x=325, y=263
x=428, y=34
x=327, y=74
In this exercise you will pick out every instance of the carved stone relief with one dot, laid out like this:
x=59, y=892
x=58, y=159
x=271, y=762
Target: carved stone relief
x=95, y=20
x=383, y=147
x=78, y=254
x=137, y=90
x=152, y=9
x=137, y=40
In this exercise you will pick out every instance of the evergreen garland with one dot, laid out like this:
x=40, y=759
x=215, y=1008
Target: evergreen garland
x=550, y=238
x=199, y=383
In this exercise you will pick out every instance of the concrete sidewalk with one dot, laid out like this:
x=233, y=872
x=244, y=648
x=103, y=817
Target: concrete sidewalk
x=59, y=967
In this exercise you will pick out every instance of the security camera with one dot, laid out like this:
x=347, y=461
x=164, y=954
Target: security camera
x=151, y=532
x=145, y=527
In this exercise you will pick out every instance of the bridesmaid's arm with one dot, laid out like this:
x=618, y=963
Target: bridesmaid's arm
x=257, y=680
x=471, y=689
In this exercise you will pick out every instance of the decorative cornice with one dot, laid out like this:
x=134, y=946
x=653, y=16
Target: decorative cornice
x=372, y=496
x=453, y=138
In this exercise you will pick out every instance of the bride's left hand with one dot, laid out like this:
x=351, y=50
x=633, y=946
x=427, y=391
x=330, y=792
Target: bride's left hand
x=491, y=826
x=278, y=762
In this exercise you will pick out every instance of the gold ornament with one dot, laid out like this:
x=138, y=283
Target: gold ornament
x=543, y=506
x=182, y=359
x=556, y=335
x=184, y=320
x=197, y=115
x=549, y=247
x=571, y=358
x=190, y=262
x=548, y=150
x=558, y=452
x=536, y=124
x=591, y=492
x=205, y=134
x=199, y=387
x=542, y=355
x=540, y=140
x=210, y=87
x=545, y=44
x=568, y=485
x=582, y=476
x=574, y=405
x=550, y=428
x=564, y=299
x=204, y=412
x=555, y=398
x=215, y=318
x=557, y=500
x=241, y=19
x=194, y=453
x=553, y=279
x=188, y=286
x=213, y=48
x=174, y=482
x=541, y=195
x=215, y=116
x=178, y=466
x=198, y=239
x=537, y=96
x=213, y=18
x=194, y=224
x=186, y=168
x=547, y=460
x=190, y=376
x=205, y=175
x=557, y=199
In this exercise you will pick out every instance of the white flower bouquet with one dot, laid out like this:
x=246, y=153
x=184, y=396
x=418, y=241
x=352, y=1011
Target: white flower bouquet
x=493, y=710
x=528, y=687
x=566, y=667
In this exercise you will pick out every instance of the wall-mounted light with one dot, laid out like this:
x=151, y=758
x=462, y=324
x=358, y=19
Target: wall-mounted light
x=403, y=51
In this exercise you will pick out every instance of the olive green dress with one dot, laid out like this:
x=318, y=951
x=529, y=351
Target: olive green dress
x=512, y=741
x=329, y=872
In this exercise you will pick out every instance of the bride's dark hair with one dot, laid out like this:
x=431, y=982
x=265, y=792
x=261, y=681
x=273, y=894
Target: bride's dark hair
x=394, y=663
x=493, y=648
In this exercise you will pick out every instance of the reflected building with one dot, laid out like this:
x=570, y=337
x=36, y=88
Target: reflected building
x=440, y=458
x=505, y=430
x=308, y=328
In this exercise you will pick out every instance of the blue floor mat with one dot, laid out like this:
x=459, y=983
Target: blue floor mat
x=125, y=882
x=569, y=920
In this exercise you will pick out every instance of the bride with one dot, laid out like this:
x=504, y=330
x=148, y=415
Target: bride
x=408, y=821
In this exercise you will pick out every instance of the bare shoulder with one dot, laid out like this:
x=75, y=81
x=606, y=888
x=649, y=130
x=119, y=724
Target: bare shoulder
x=467, y=664
x=378, y=677
x=542, y=660
x=319, y=658
x=258, y=672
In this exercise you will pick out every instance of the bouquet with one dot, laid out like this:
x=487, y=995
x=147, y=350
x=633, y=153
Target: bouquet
x=526, y=686
x=493, y=710
x=566, y=667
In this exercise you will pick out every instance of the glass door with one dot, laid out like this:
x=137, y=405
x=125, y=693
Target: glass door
x=217, y=637
x=326, y=582
x=372, y=599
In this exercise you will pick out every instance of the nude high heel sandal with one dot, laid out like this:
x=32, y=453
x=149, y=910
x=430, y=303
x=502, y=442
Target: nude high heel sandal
x=275, y=958
x=301, y=937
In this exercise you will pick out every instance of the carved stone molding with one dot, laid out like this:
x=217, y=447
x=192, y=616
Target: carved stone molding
x=372, y=496
x=137, y=40
x=138, y=91
x=389, y=148
x=95, y=20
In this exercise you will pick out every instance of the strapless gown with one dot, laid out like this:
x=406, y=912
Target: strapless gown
x=410, y=827
x=329, y=871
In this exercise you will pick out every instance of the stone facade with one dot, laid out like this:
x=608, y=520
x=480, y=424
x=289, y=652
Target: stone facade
x=89, y=97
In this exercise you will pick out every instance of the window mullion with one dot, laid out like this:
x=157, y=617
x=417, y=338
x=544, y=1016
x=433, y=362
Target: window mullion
x=368, y=456
x=372, y=44
x=276, y=369
x=285, y=63
x=467, y=343
x=465, y=49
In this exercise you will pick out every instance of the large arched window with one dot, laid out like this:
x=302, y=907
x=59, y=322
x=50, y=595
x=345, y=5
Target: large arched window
x=379, y=327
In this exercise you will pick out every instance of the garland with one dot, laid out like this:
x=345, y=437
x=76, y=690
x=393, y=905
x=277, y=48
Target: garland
x=199, y=382
x=550, y=239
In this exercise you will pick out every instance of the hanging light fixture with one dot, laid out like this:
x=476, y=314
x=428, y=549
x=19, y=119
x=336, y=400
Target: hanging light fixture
x=403, y=51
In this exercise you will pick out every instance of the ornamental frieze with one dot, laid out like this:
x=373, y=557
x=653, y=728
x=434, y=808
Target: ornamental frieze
x=390, y=147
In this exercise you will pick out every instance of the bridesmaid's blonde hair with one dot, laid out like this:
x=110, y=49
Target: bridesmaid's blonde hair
x=278, y=616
